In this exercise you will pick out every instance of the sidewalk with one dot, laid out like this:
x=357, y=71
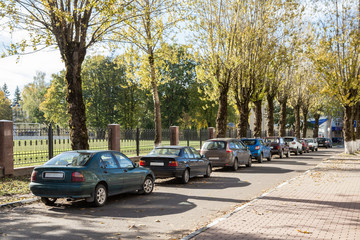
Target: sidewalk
x=323, y=203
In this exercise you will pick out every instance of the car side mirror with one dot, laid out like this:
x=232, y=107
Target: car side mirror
x=136, y=164
x=202, y=156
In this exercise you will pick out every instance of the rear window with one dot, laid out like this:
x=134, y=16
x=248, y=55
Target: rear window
x=70, y=159
x=309, y=140
x=249, y=142
x=288, y=139
x=214, y=145
x=271, y=140
x=165, y=151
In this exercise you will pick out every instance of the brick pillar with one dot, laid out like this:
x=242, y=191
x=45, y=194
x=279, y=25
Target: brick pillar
x=174, y=135
x=114, y=137
x=6, y=147
x=211, y=132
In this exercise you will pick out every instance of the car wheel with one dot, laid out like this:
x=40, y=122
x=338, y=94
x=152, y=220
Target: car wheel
x=281, y=154
x=148, y=186
x=288, y=154
x=317, y=149
x=301, y=152
x=249, y=162
x=260, y=158
x=100, y=195
x=48, y=201
x=312, y=149
x=269, y=157
x=186, y=176
x=297, y=152
x=236, y=165
x=208, y=171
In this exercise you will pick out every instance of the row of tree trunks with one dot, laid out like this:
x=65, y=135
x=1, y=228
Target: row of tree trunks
x=258, y=118
x=297, y=121
x=348, y=129
x=316, y=125
x=305, y=111
x=282, y=121
x=221, y=118
x=244, y=112
x=270, y=115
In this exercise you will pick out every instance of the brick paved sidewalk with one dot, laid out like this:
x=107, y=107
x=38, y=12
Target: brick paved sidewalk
x=324, y=203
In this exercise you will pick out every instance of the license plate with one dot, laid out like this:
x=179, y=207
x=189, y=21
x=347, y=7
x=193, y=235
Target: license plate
x=213, y=158
x=54, y=175
x=271, y=147
x=156, y=164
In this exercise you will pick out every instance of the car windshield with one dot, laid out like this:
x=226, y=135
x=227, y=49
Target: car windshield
x=214, y=145
x=272, y=140
x=321, y=139
x=309, y=140
x=70, y=159
x=288, y=139
x=249, y=142
x=165, y=151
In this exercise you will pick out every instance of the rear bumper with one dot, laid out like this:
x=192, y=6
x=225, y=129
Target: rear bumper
x=167, y=172
x=70, y=190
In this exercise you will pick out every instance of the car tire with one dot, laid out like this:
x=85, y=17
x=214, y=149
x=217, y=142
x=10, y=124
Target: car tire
x=186, y=176
x=235, y=165
x=208, y=171
x=100, y=195
x=301, y=152
x=281, y=154
x=312, y=149
x=48, y=201
x=288, y=154
x=249, y=162
x=317, y=149
x=147, y=186
x=297, y=152
x=269, y=157
x=260, y=158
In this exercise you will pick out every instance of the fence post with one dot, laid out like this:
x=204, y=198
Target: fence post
x=188, y=137
x=211, y=131
x=174, y=135
x=51, y=142
x=137, y=141
x=114, y=137
x=6, y=147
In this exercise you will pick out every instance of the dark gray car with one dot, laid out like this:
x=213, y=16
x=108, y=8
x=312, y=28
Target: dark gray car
x=226, y=152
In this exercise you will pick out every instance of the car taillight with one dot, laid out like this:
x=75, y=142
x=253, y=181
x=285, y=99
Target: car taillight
x=142, y=163
x=228, y=150
x=33, y=176
x=173, y=164
x=277, y=147
x=77, y=177
x=293, y=143
x=326, y=141
x=257, y=147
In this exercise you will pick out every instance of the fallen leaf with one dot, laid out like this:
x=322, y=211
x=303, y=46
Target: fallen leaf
x=305, y=232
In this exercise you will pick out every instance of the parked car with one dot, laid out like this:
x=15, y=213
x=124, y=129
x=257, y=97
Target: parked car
x=313, y=145
x=226, y=152
x=294, y=145
x=324, y=142
x=277, y=146
x=177, y=161
x=337, y=140
x=258, y=148
x=305, y=146
x=92, y=175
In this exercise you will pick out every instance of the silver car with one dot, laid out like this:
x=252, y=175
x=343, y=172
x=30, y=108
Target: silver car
x=313, y=144
x=226, y=152
x=294, y=145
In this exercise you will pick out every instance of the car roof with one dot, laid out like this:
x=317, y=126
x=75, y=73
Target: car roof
x=172, y=146
x=222, y=139
x=91, y=151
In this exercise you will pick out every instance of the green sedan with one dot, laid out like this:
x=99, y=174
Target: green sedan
x=91, y=175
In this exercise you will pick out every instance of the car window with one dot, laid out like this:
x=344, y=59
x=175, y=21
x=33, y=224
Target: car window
x=165, y=151
x=241, y=145
x=271, y=140
x=70, y=159
x=249, y=142
x=232, y=145
x=196, y=153
x=124, y=162
x=107, y=161
x=289, y=139
x=281, y=141
x=214, y=145
x=261, y=142
x=189, y=153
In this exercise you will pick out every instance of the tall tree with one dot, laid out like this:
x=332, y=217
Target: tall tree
x=73, y=26
x=17, y=97
x=6, y=91
x=146, y=33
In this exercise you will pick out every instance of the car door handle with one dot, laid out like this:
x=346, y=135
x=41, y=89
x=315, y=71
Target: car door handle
x=105, y=171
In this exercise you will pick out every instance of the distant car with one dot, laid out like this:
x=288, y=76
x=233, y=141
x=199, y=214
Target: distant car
x=337, y=140
x=177, y=161
x=226, y=152
x=313, y=145
x=91, y=175
x=294, y=145
x=258, y=148
x=324, y=142
x=277, y=146
x=305, y=146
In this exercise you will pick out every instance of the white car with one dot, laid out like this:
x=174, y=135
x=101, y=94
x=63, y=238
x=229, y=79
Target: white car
x=313, y=144
x=294, y=145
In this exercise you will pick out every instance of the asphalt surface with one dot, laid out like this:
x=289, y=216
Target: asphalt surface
x=173, y=210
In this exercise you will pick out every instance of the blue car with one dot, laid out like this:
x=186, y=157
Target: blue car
x=258, y=148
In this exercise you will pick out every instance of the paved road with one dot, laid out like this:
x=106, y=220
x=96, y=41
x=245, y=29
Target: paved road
x=171, y=212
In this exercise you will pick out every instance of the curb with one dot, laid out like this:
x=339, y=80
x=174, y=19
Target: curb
x=203, y=229
x=18, y=203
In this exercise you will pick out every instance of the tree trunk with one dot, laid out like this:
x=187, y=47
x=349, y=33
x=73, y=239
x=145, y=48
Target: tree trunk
x=244, y=112
x=297, y=121
x=270, y=115
x=282, y=122
x=348, y=130
x=76, y=108
x=258, y=118
x=357, y=129
x=156, y=100
x=316, y=126
x=221, y=118
x=305, y=115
